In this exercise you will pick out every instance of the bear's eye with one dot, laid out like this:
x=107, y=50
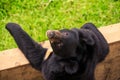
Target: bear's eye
x=66, y=34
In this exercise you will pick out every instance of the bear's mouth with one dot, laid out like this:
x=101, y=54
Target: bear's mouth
x=55, y=38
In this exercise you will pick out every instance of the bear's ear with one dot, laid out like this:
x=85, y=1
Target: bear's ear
x=86, y=36
x=100, y=41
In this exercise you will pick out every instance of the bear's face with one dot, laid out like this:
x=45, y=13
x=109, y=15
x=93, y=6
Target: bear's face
x=64, y=42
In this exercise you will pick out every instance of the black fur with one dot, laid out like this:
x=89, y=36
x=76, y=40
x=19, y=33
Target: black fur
x=75, y=55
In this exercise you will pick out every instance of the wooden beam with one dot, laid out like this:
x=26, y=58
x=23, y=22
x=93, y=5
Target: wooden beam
x=111, y=33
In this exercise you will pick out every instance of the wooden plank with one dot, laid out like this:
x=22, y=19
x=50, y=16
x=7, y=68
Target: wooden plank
x=111, y=32
x=12, y=58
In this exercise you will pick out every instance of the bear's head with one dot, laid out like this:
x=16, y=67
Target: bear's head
x=66, y=43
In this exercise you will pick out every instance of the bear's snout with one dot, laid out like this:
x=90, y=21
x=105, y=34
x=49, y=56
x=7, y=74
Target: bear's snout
x=50, y=34
x=54, y=34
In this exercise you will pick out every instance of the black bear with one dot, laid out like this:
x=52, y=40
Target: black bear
x=75, y=55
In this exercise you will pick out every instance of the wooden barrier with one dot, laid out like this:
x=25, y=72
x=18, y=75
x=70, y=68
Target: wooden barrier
x=14, y=66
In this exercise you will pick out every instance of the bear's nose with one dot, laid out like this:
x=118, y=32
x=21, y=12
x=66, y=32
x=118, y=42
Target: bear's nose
x=50, y=34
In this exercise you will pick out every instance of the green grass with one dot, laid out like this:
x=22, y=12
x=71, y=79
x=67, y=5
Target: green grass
x=38, y=16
